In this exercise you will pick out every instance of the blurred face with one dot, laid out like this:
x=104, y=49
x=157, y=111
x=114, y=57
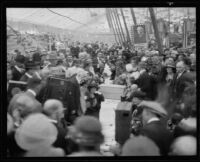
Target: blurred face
x=133, y=62
x=92, y=90
x=9, y=74
x=140, y=30
x=69, y=58
x=169, y=70
x=180, y=67
x=136, y=101
x=180, y=58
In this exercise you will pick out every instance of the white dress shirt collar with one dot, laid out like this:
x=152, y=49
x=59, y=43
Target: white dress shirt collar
x=33, y=92
x=18, y=69
x=28, y=75
x=153, y=119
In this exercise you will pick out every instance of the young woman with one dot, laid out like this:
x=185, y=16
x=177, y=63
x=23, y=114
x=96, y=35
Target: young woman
x=93, y=100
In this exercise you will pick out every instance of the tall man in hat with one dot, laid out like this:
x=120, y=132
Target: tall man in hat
x=18, y=69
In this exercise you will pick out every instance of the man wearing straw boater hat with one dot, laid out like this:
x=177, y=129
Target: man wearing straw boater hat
x=153, y=127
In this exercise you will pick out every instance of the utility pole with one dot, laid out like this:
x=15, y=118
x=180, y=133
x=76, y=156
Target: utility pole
x=156, y=32
x=127, y=32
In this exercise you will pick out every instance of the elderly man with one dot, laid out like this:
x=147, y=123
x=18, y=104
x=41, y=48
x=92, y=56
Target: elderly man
x=153, y=126
x=31, y=67
x=20, y=107
x=55, y=111
x=181, y=80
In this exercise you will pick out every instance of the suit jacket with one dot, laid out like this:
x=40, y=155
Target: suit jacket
x=24, y=78
x=75, y=87
x=179, y=84
x=33, y=97
x=158, y=132
x=16, y=74
x=61, y=141
x=148, y=85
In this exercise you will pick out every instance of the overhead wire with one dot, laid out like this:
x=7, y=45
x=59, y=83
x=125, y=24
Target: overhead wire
x=66, y=17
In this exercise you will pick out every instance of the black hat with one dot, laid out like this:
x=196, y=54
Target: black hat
x=20, y=59
x=31, y=64
x=138, y=94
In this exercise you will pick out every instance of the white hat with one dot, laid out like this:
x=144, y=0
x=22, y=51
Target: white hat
x=35, y=131
x=154, y=107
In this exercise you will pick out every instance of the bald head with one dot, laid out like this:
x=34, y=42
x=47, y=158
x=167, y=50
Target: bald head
x=24, y=105
x=185, y=145
x=53, y=108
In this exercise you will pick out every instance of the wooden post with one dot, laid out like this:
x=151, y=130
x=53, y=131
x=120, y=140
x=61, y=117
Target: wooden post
x=120, y=25
x=156, y=32
x=133, y=16
x=127, y=32
x=117, y=25
x=111, y=24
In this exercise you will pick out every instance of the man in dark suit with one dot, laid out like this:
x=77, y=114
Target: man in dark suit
x=31, y=67
x=146, y=82
x=55, y=111
x=181, y=80
x=154, y=127
x=18, y=69
x=34, y=86
x=75, y=102
x=70, y=61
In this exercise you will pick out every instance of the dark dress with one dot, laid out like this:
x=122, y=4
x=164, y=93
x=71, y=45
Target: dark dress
x=94, y=110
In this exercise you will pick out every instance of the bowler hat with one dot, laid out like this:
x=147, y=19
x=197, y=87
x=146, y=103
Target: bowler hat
x=31, y=64
x=138, y=94
x=20, y=59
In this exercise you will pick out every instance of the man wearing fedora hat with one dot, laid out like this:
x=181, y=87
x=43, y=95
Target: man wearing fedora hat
x=153, y=127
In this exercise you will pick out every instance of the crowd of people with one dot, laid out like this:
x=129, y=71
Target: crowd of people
x=160, y=86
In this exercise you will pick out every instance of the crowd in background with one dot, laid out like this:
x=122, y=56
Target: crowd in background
x=160, y=86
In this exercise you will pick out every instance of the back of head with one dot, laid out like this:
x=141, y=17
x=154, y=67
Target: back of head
x=24, y=104
x=184, y=145
x=51, y=106
x=140, y=146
